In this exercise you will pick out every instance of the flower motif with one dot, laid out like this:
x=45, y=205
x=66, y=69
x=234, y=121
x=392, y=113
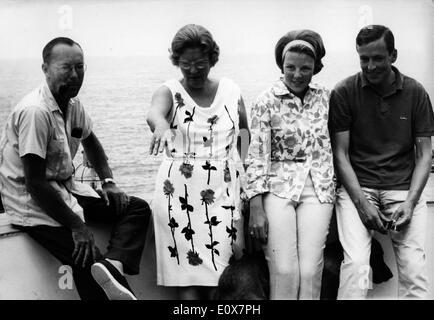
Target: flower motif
x=188, y=233
x=173, y=223
x=189, y=117
x=228, y=207
x=168, y=188
x=173, y=251
x=227, y=174
x=186, y=169
x=207, y=196
x=209, y=168
x=232, y=233
x=207, y=142
x=278, y=186
x=255, y=151
x=316, y=154
x=213, y=222
x=290, y=141
x=193, y=258
x=295, y=135
x=254, y=123
x=301, y=154
x=213, y=119
x=179, y=100
x=212, y=245
x=276, y=120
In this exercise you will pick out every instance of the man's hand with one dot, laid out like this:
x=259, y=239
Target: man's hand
x=110, y=192
x=370, y=217
x=159, y=138
x=258, y=223
x=85, y=252
x=403, y=215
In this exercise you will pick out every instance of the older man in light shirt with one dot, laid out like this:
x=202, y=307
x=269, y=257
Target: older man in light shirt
x=39, y=195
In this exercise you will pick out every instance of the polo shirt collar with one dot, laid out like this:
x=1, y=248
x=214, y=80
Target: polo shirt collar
x=397, y=85
x=280, y=89
x=49, y=99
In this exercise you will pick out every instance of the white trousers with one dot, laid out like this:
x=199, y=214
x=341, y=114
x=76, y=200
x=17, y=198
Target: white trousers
x=408, y=246
x=297, y=234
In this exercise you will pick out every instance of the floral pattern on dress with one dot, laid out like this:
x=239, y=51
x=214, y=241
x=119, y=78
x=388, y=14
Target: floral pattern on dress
x=290, y=139
x=173, y=224
x=195, y=206
x=208, y=199
x=192, y=255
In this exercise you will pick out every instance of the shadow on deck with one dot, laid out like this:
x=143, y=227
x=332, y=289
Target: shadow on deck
x=29, y=272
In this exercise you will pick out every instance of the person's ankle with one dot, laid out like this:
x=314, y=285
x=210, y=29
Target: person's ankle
x=117, y=264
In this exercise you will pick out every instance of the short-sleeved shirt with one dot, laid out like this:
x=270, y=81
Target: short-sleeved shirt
x=382, y=128
x=290, y=140
x=36, y=126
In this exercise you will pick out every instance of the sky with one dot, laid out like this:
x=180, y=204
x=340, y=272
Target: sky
x=137, y=28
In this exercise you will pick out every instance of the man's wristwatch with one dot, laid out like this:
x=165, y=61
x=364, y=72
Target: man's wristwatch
x=106, y=181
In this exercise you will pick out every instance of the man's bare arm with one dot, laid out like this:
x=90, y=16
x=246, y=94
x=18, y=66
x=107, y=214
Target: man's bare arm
x=368, y=213
x=53, y=205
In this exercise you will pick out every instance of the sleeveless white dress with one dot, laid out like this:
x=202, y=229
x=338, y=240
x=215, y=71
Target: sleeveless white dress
x=197, y=191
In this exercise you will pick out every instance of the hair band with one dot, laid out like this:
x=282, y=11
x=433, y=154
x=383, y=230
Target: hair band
x=297, y=42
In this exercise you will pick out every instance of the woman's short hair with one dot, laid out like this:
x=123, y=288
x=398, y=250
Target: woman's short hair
x=374, y=32
x=309, y=36
x=194, y=36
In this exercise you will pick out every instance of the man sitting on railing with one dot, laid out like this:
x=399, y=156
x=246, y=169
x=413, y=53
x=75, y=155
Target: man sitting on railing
x=39, y=195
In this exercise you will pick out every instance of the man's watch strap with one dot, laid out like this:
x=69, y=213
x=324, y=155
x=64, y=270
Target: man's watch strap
x=106, y=181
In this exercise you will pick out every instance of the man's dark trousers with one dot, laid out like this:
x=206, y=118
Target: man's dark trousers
x=126, y=242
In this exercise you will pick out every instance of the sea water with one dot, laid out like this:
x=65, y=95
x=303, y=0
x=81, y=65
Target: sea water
x=117, y=94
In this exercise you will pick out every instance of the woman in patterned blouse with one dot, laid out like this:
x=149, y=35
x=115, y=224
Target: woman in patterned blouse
x=290, y=176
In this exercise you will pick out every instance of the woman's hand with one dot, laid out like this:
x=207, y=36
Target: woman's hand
x=157, y=119
x=159, y=138
x=258, y=222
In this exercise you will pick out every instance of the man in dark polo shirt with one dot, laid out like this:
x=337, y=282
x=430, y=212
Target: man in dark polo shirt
x=381, y=123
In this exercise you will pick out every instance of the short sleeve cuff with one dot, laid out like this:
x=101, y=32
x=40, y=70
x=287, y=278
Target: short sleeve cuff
x=424, y=134
x=38, y=152
x=250, y=193
x=339, y=129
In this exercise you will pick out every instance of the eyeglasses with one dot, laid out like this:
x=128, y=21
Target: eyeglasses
x=67, y=68
x=200, y=64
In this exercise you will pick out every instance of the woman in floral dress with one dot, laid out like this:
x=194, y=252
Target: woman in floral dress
x=197, y=190
x=290, y=177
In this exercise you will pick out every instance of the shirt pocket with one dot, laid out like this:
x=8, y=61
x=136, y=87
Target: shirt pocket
x=56, y=159
x=74, y=145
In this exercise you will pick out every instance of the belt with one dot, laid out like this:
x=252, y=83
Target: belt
x=293, y=160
